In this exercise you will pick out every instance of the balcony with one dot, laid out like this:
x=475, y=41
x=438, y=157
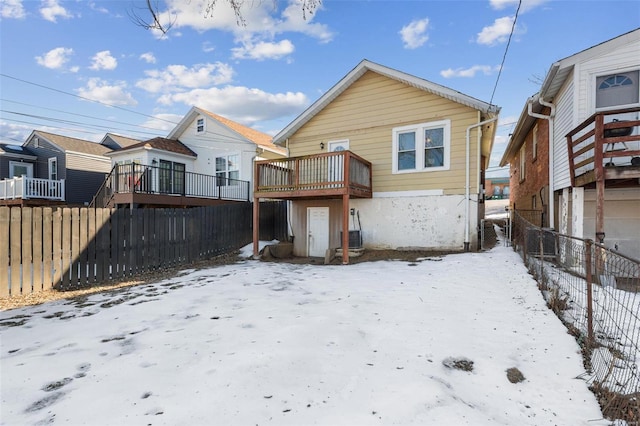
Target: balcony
x=138, y=184
x=17, y=190
x=327, y=175
x=610, y=152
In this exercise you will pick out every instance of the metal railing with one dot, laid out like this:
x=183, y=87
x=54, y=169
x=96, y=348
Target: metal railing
x=28, y=188
x=143, y=179
x=327, y=171
x=595, y=291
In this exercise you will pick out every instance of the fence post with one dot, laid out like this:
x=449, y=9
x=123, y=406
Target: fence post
x=588, y=251
x=541, y=245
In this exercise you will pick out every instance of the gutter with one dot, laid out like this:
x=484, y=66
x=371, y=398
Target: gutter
x=551, y=119
x=466, y=184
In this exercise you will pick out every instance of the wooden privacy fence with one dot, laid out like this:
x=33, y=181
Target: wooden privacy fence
x=69, y=248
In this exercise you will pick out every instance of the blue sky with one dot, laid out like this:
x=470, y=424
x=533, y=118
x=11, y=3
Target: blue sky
x=55, y=55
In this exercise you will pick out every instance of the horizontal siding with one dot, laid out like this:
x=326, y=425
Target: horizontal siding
x=81, y=162
x=564, y=123
x=367, y=112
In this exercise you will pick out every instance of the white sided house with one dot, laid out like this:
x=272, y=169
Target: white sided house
x=206, y=159
x=594, y=164
x=383, y=160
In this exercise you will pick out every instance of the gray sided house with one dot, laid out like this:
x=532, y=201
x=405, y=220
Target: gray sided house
x=114, y=141
x=80, y=163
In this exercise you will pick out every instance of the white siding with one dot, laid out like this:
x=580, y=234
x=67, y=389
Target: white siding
x=563, y=125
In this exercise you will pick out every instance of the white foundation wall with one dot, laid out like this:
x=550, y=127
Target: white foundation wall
x=423, y=222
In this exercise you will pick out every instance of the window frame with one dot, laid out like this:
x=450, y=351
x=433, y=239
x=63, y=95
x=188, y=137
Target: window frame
x=14, y=164
x=201, y=125
x=420, y=148
x=523, y=162
x=599, y=79
x=223, y=177
x=52, y=168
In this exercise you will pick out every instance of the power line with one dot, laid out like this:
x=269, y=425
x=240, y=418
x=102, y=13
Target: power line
x=504, y=57
x=85, y=99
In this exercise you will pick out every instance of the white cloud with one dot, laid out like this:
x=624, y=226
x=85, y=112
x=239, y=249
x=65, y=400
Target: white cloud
x=12, y=9
x=178, y=77
x=496, y=33
x=469, y=72
x=207, y=47
x=526, y=6
x=263, y=50
x=148, y=57
x=55, y=58
x=414, y=34
x=51, y=11
x=262, y=20
x=103, y=61
x=241, y=104
x=110, y=94
x=94, y=6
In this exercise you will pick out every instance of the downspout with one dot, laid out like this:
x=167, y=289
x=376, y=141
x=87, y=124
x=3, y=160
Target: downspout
x=467, y=184
x=550, y=118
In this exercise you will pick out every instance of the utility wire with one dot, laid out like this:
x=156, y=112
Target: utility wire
x=85, y=99
x=504, y=57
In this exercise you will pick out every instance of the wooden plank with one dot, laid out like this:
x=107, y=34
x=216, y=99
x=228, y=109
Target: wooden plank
x=182, y=243
x=83, y=253
x=66, y=248
x=37, y=249
x=91, y=245
x=47, y=248
x=147, y=257
x=115, y=244
x=105, y=232
x=76, y=254
x=57, y=248
x=99, y=246
x=124, y=241
x=15, y=238
x=27, y=250
x=5, y=216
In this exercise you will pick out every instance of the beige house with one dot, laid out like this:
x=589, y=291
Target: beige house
x=395, y=158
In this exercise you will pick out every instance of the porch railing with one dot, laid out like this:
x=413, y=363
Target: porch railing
x=143, y=179
x=29, y=188
x=327, y=172
x=607, y=150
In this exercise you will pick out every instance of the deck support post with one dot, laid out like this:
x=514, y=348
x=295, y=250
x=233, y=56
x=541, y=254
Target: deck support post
x=256, y=227
x=345, y=229
x=598, y=162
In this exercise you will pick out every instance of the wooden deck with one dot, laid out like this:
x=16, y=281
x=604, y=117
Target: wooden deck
x=327, y=175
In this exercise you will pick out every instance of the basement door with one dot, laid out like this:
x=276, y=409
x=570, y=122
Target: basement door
x=317, y=231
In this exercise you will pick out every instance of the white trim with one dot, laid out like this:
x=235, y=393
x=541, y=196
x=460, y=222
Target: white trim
x=415, y=193
x=402, y=77
x=29, y=167
x=49, y=168
x=419, y=130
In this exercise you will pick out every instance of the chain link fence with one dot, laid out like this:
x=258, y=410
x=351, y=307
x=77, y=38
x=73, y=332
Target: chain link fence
x=594, y=291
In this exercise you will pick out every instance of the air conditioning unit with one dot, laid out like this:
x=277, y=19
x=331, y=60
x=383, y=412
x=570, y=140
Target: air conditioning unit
x=355, y=239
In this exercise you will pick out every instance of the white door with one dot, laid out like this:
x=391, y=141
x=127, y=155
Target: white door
x=317, y=231
x=19, y=169
x=336, y=164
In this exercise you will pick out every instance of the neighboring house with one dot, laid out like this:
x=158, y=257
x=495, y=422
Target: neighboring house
x=496, y=188
x=206, y=159
x=113, y=141
x=66, y=169
x=575, y=152
x=387, y=157
x=17, y=164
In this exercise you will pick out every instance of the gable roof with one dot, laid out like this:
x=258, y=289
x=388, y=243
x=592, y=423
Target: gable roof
x=263, y=140
x=553, y=82
x=122, y=141
x=402, y=77
x=163, y=144
x=66, y=143
x=561, y=69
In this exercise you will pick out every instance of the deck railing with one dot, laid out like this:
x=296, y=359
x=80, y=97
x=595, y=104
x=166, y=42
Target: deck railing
x=142, y=179
x=608, y=149
x=29, y=188
x=334, y=172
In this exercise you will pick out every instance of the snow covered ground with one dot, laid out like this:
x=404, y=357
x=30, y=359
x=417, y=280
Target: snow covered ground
x=259, y=343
